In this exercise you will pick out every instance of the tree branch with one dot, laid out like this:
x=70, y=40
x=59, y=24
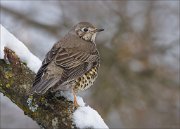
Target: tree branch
x=47, y=110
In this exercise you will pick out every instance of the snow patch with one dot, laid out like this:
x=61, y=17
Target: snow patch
x=86, y=117
x=10, y=41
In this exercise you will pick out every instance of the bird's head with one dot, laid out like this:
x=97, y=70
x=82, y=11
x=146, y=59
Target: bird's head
x=86, y=31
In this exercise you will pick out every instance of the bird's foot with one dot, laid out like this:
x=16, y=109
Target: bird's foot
x=76, y=105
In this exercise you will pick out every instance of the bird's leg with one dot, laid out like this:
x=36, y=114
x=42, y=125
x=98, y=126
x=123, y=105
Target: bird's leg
x=75, y=100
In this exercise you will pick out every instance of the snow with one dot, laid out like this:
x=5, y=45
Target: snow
x=84, y=116
x=10, y=41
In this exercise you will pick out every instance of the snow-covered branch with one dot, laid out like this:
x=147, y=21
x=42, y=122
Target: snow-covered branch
x=10, y=41
x=49, y=110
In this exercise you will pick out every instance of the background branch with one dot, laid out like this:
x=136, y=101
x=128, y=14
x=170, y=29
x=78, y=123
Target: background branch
x=50, y=28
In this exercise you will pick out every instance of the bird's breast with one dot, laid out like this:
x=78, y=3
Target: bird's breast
x=86, y=81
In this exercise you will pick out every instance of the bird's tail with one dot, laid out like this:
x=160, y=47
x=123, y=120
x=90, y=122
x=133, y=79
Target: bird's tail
x=43, y=86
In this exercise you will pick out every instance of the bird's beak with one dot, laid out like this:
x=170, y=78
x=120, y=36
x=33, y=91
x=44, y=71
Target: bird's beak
x=99, y=30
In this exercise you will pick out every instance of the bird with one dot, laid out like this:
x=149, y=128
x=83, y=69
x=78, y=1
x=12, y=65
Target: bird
x=72, y=63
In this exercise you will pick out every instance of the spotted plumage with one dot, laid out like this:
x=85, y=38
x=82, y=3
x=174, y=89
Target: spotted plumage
x=72, y=63
x=85, y=81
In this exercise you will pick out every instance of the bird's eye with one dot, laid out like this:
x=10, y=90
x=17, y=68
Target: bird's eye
x=85, y=29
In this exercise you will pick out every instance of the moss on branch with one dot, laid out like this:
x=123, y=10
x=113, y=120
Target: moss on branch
x=47, y=110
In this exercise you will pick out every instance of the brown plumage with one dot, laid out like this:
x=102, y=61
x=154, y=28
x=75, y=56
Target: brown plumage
x=71, y=64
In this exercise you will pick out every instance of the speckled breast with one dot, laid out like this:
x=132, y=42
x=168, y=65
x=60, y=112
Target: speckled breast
x=86, y=81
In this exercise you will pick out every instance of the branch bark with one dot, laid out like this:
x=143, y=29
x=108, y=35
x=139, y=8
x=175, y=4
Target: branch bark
x=47, y=110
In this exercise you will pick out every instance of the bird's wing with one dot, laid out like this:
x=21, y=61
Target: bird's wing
x=75, y=62
x=42, y=80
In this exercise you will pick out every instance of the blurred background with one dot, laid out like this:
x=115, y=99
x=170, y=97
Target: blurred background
x=138, y=82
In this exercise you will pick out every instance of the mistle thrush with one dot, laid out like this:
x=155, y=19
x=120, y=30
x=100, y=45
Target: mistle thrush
x=71, y=64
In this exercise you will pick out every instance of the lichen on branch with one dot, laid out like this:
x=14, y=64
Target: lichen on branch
x=47, y=110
